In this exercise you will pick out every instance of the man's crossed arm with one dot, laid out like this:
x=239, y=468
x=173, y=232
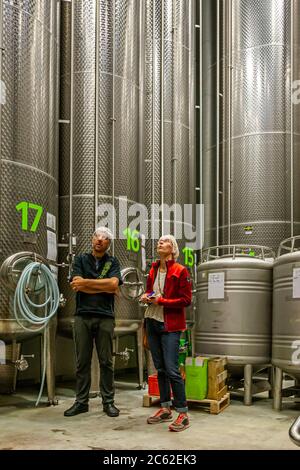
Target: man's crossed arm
x=95, y=286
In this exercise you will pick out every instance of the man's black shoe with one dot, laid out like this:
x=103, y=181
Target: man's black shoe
x=111, y=410
x=76, y=409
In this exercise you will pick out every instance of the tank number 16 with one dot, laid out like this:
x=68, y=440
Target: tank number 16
x=24, y=207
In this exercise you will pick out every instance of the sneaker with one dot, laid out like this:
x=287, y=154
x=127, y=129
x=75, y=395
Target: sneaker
x=161, y=416
x=181, y=423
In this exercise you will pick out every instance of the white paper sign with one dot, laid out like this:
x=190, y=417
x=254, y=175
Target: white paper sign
x=216, y=286
x=296, y=283
x=51, y=221
x=52, y=246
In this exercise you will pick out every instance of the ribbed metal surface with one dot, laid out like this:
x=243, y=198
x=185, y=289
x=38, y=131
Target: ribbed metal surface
x=116, y=27
x=169, y=158
x=286, y=328
x=257, y=179
x=169, y=175
x=29, y=125
x=238, y=326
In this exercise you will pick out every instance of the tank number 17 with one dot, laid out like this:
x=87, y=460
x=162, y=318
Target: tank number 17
x=24, y=207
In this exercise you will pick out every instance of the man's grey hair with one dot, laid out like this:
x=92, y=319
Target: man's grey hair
x=105, y=232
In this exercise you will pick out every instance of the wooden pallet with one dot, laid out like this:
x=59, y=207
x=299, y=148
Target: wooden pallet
x=213, y=406
x=217, y=375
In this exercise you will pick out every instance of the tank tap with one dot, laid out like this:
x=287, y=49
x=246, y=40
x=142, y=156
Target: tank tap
x=62, y=301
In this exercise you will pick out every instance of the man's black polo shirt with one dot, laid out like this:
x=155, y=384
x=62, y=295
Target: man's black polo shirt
x=90, y=267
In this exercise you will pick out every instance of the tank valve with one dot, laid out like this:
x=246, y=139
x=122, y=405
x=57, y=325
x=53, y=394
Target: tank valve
x=62, y=301
x=21, y=364
x=124, y=355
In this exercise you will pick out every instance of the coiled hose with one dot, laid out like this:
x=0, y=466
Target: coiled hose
x=294, y=432
x=23, y=305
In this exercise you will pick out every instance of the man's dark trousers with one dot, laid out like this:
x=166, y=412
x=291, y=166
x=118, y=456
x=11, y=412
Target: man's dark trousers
x=86, y=329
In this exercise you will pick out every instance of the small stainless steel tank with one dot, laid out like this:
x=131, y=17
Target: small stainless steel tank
x=233, y=317
x=286, y=314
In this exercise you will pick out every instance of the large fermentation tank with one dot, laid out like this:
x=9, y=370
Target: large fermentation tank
x=250, y=123
x=29, y=158
x=286, y=300
x=234, y=295
x=168, y=140
x=100, y=131
x=29, y=139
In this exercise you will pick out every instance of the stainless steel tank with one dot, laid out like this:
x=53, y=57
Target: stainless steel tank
x=286, y=301
x=250, y=123
x=99, y=138
x=168, y=131
x=29, y=59
x=29, y=139
x=234, y=294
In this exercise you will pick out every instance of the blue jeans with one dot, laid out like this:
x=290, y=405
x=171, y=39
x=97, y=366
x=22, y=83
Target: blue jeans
x=164, y=348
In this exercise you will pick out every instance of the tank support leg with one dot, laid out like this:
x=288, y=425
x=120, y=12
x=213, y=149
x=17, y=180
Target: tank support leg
x=50, y=361
x=248, y=371
x=140, y=354
x=277, y=401
x=271, y=381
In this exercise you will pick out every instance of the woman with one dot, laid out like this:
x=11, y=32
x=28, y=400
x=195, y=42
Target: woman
x=168, y=292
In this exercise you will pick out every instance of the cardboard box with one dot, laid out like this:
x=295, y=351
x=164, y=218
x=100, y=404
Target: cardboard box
x=196, y=377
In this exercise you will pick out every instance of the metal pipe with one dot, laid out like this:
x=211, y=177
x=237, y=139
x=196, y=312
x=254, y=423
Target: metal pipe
x=1, y=60
x=292, y=118
x=176, y=123
x=229, y=31
x=192, y=116
x=218, y=127
x=153, y=129
x=58, y=22
x=162, y=45
x=248, y=372
x=96, y=177
x=201, y=100
x=113, y=112
x=141, y=100
x=277, y=401
x=71, y=129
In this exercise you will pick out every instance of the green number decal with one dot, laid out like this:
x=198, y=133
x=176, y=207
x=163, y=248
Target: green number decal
x=133, y=242
x=24, y=206
x=189, y=257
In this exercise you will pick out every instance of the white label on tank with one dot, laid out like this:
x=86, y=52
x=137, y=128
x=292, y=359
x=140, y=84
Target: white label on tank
x=51, y=221
x=2, y=92
x=52, y=246
x=296, y=283
x=216, y=286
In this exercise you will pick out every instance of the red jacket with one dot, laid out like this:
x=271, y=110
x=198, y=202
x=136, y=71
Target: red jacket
x=177, y=294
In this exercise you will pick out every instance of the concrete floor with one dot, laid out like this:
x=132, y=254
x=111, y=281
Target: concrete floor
x=238, y=427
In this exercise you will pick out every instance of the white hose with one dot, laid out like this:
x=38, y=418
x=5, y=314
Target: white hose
x=23, y=305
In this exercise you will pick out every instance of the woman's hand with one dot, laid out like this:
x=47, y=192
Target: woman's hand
x=144, y=299
x=153, y=300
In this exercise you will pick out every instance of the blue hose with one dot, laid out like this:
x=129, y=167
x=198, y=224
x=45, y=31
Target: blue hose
x=23, y=304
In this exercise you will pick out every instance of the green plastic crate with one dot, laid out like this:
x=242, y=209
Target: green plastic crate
x=196, y=377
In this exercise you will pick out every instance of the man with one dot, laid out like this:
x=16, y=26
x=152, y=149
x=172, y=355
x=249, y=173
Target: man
x=95, y=279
